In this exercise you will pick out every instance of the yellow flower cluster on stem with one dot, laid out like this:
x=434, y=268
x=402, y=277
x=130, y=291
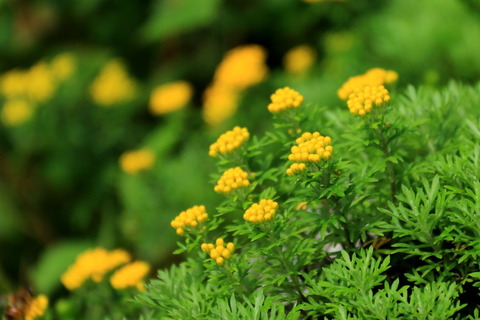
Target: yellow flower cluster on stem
x=93, y=265
x=232, y=179
x=132, y=162
x=15, y=112
x=170, y=97
x=261, y=212
x=130, y=275
x=36, y=307
x=299, y=59
x=373, y=77
x=241, y=68
x=283, y=99
x=362, y=100
x=191, y=217
x=229, y=141
x=219, y=252
x=310, y=147
x=113, y=85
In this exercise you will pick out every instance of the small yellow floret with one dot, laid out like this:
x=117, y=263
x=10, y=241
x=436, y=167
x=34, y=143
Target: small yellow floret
x=135, y=161
x=170, y=97
x=361, y=100
x=232, y=179
x=262, y=211
x=130, y=275
x=189, y=218
x=219, y=252
x=229, y=141
x=36, y=308
x=283, y=99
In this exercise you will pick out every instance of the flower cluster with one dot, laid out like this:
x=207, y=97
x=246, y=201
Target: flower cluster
x=25, y=89
x=310, y=147
x=299, y=59
x=260, y=212
x=130, y=275
x=373, y=77
x=36, y=308
x=113, y=85
x=189, y=218
x=241, y=68
x=170, y=97
x=232, y=179
x=362, y=100
x=219, y=252
x=229, y=141
x=135, y=161
x=93, y=264
x=283, y=99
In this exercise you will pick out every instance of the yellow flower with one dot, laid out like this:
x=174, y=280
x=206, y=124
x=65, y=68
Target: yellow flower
x=63, y=65
x=296, y=168
x=229, y=141
x=130, y=275
x=93, y=264
x=260, y=212
x=219, y=104
x=361, y=101
x=41, y=84
x=170, y=97
x=232, y=179
x=299, y=59
x=189, y=218
x=283, y=99
x=36, y=308
x=13, y=83
x=16, y=112
x=135, y=161
x=219, y=252
x=310, y=147
x=372, y=78
x=113, y=85
x=242, y=67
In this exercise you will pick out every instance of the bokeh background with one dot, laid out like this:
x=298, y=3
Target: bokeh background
x=76, y=85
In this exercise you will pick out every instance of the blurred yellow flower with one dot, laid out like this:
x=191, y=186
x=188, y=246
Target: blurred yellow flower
x=13, y=83
x=93, y=264
x=170, y=97
x=220, y=103
x=16, y=112
x=113, y=85
x=135, y=161
x=63, y=65
x=36, y=308
x=299, y=59
x=242, y=67
x=40, y=82
x=130, y=275
x=372, y=78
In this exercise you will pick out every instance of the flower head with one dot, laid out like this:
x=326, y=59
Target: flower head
x=242, y=67
x=309, y=147
x=16, y=112
x=372, y=78
x=232, y=179
x=130, y=275
x=361, y=101
x=36, y=308
x=299, y=59
x=113, y=85
x=189, y=218
x=63, y=65
x=229, y=141
x=93, y=264
x=170, y=97
x=220, y=102
x=219, y=252
x=262, y=211
x=283, y=99
x=135, y=161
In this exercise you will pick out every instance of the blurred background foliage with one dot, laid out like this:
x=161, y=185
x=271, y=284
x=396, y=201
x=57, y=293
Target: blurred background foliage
x=62, y=188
